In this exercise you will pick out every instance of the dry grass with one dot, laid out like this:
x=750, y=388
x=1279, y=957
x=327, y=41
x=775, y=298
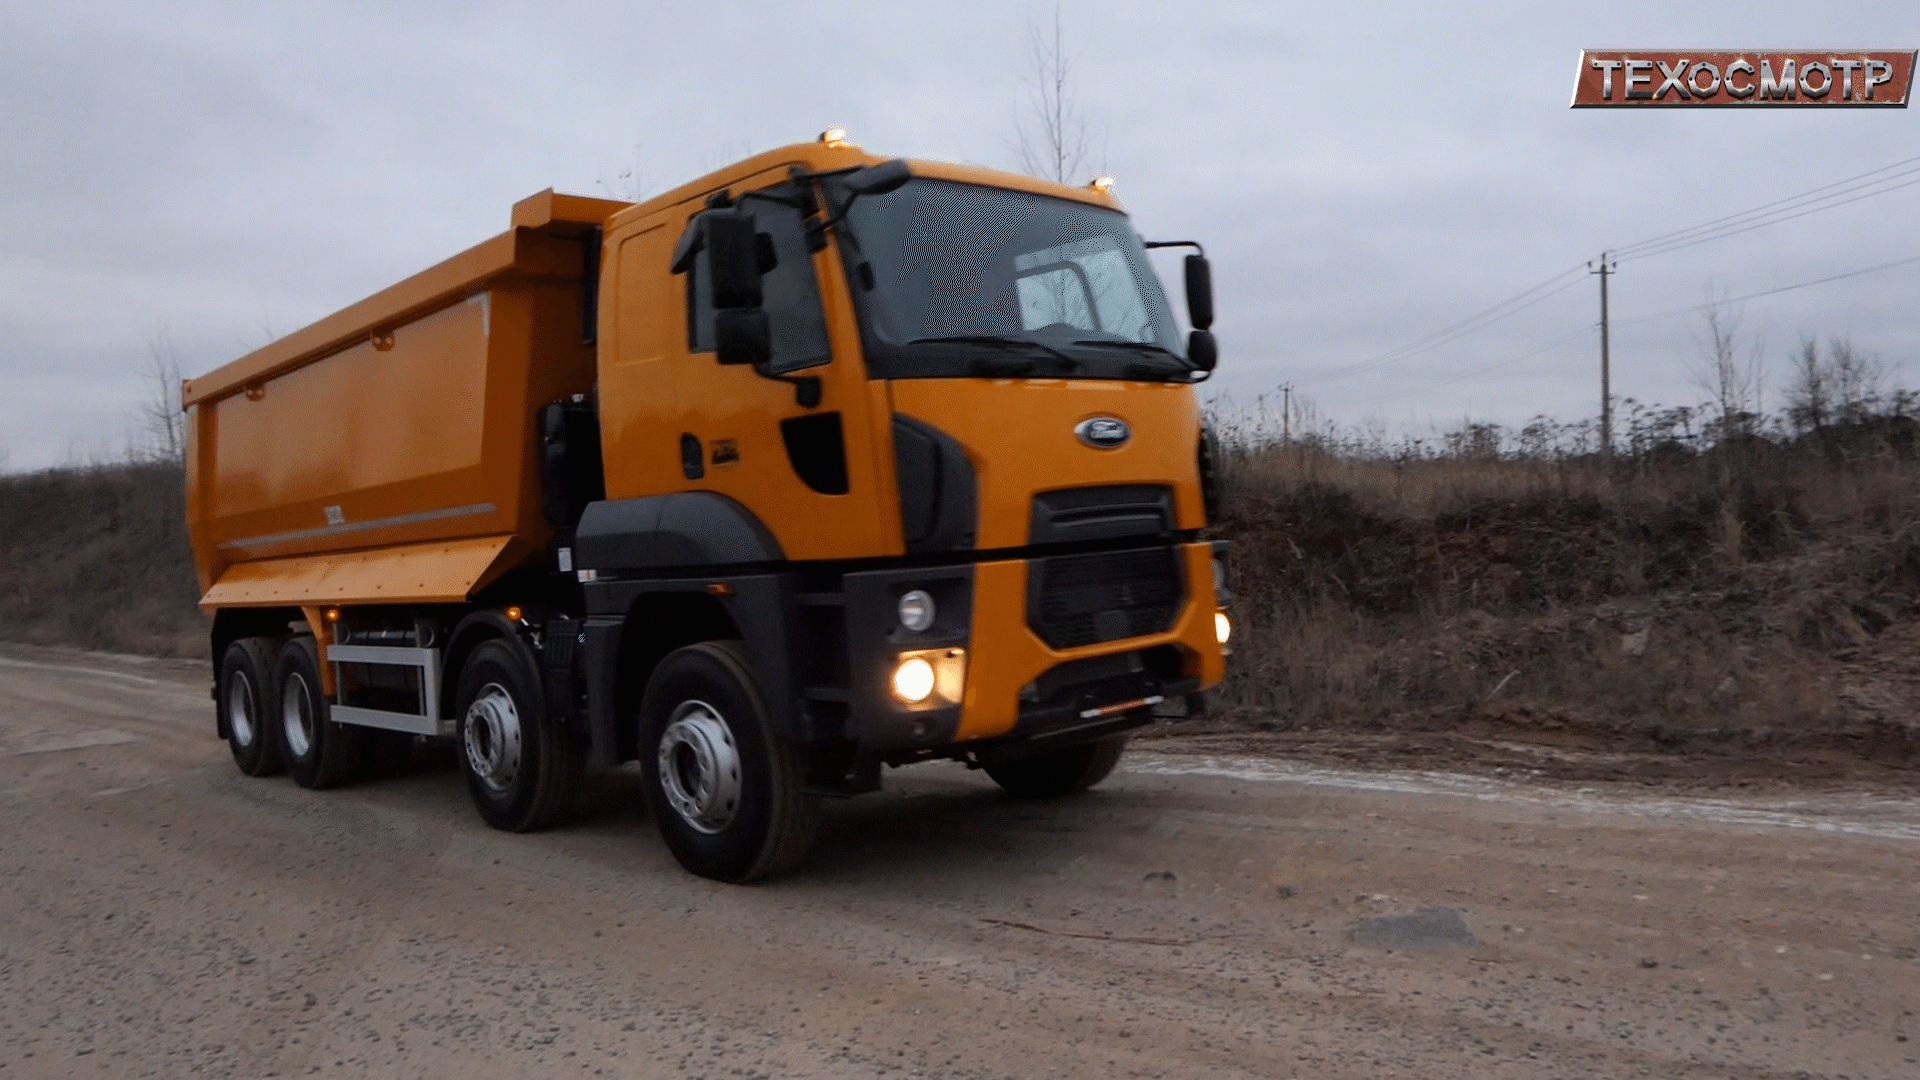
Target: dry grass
x=1670, y=592
x=1748, y=589
x=97, y=558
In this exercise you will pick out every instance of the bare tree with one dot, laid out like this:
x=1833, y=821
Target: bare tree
x=1840, y=386
x=1055, y=139
x=162, y=423
x=632, y=183
x=1854, y=376
x=1734, y=381
x=1809, y=399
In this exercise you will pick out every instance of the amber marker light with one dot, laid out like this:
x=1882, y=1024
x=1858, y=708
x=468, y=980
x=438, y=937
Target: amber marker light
x=913, y=680
x=513, y=613
x=333, y=614
x=834, y=136
x=1101, y=183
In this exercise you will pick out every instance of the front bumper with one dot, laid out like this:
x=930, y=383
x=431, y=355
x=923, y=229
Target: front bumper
x=1016, y=684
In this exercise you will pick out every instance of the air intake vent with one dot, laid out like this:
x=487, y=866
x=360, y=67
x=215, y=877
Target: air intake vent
x=1075, y=600
x=1101, y=513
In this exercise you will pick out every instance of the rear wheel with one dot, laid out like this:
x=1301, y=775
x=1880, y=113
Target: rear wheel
x=319, y=753
x=1062, y=772
x=725, y=789
x=247, y=717
x=523, y=768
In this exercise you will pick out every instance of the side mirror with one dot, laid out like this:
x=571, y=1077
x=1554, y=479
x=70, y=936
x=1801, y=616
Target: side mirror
x=733, y=259
x=1202, y=351
x=1199, y=293
x=741, y=336
x=879, y=179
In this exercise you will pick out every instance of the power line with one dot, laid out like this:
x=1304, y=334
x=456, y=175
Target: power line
x=1554, y=343
x=1510, y=306
x=1544, y=346
x=1730, y=218
x=1723, y=234
x=1670, y=312
x=1811, y=201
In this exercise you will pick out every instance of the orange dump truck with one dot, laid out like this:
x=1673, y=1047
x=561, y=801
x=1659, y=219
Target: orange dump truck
x=818, y=464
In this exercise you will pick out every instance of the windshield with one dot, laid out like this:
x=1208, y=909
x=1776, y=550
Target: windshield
x=963, y=271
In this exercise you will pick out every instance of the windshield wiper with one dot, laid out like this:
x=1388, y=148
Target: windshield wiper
x=1136, y=346
x=1145, y=370
x=1005, y=344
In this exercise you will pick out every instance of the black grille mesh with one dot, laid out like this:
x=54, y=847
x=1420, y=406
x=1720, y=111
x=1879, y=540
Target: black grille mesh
x=1084, y=599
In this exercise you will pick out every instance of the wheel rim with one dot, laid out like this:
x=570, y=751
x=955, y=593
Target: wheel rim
x=240, y=710
x=700, y=767
x=296, y=715
x=492, y=737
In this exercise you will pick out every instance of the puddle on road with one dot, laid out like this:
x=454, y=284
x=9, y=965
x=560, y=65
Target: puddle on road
x=1428, y=928
x=1882, y=817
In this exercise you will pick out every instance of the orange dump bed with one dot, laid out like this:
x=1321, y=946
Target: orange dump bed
x=401, y=429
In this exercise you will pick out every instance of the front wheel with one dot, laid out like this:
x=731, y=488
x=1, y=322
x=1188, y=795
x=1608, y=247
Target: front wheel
x=1062, y=772
x=725, y=789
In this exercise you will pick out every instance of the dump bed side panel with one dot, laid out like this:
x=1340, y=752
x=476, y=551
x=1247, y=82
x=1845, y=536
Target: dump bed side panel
x=418, y=431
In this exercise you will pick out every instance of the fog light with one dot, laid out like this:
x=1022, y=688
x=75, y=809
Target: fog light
x=913, y=680
x=916, y=610
x=1222, y=627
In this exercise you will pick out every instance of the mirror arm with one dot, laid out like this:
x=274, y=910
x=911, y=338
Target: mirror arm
x=768, y=196
x=818, y=228
x=1194, y=244
x=806, y=388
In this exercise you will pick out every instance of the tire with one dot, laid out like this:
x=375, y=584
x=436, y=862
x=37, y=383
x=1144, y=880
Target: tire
x=726, y=791
x=319, y=753
x=522, y=768
x=247, y=718
x=1062, y=772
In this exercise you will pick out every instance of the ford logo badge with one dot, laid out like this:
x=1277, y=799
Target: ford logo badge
x=1103, y=432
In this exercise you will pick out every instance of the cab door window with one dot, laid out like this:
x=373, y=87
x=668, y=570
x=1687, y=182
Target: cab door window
x=790, y=293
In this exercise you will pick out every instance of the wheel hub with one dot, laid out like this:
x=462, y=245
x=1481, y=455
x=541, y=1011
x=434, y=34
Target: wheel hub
x=493, y=737
x=700, y=767
x=296, y=716
x=240, y=710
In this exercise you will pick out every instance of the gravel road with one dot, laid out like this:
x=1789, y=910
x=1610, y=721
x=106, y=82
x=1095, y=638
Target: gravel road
x=1196, y=916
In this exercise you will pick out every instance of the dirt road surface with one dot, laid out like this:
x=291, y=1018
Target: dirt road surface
x=1197, y=916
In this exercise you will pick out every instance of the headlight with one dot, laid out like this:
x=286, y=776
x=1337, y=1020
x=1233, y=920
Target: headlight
x=916, y=611
x=913, y=680
x=1222, y=627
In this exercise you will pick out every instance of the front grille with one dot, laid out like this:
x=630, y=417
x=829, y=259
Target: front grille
x=1085, y=599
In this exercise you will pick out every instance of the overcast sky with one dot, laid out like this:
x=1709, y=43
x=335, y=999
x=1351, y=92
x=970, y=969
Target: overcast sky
x=214, y=174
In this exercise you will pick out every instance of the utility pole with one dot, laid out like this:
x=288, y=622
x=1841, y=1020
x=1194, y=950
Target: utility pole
x=1607, y=266
x=1286, y=414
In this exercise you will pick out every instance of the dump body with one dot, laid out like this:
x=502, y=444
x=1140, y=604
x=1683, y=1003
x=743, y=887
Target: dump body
x=405, y=420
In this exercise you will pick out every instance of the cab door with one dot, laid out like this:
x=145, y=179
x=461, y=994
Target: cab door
x=690, y=423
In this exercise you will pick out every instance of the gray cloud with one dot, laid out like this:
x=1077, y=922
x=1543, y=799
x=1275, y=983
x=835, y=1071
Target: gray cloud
x=1362, y=174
